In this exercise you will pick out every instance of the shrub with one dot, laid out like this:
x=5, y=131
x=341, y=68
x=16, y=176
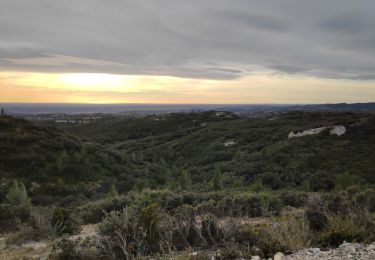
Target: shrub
x=294, y=198
x=130, y=234
x=93, y=212
x=25, y=233
x=78, y=249
x=316, y=213
x=119, y=231
x=63, y=222
x=290, y=234
x=12, y=216
x=184, y=180
x=37, y=228
x=342, y=229
x=17, y=194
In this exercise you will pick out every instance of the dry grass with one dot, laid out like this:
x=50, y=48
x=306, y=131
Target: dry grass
x=17, y=253
x=288, y=234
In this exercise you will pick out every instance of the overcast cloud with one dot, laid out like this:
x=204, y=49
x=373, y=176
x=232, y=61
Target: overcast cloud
x=213, y=39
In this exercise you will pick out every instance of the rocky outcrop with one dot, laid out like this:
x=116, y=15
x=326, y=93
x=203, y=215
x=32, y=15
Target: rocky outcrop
x=338, y=130
x=229, y=143
x=333, y=130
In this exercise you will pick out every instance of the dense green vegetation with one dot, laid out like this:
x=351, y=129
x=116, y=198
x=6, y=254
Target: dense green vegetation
x=192, y=151
x=55, y=165
x=261, y=149
x=165, y=183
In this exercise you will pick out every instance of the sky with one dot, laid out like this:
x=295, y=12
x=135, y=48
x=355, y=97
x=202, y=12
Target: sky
x=196, y=51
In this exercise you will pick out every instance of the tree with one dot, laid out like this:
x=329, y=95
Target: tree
x=344, y=180
x=218, y=179
x=112, y=193
x=184, y=180
x=17, y=194
x=61, y=161
x=149, y=220
x=2, y=112
x=305, y=185
x=257, y=186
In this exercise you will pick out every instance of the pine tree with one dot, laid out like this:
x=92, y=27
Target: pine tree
x=344, y=180
x=305, y=185
x=17, y=194
x=112, y=193
x=61, y=161
x=2, y=112
x=218, y=179
x=139, y=185
x=257, y=186
x=184, y=180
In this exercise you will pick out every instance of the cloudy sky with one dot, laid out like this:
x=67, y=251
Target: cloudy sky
x=196, y=51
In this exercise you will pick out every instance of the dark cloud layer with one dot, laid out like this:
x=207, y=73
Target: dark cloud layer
x=217, y=39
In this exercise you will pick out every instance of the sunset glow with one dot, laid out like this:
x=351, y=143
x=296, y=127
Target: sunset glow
x=112, y=88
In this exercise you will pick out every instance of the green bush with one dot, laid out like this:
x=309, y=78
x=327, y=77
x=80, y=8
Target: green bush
x=133, y=233
x=17, y=194
x=93, y=212
x=63, y=222
x=12, y=216
x=340, y=229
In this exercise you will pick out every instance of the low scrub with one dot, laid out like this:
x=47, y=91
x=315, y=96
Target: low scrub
x=288, y=234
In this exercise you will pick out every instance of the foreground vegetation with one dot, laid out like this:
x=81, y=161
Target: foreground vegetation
x=167, y=185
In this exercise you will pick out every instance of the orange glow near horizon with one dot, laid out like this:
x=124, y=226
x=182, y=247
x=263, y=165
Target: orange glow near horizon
x=110, y=88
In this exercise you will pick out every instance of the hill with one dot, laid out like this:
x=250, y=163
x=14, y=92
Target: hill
x=229, y=185
x=246, y=149
x=51, y=161
x=154, y=150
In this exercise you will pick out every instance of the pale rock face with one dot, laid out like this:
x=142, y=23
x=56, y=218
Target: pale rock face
x=338, y=130
x=229, y=143
x=334, y=130
x=313, y=131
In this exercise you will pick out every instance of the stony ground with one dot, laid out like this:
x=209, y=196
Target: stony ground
x=38, y=250
x=346, y=251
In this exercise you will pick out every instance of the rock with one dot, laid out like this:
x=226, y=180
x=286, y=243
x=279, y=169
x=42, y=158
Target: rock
x=256, y=257
x=194, y=256
x=313, y=131
x=229, y=143
x=338, y=130
x=334, y=130
x=345, y=251
x=278, y=256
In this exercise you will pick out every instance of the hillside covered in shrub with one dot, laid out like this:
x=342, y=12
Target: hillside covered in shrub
x=222, y=184
x=245, y=149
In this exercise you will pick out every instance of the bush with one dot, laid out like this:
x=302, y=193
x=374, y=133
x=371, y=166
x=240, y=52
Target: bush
x=17, y=194
x=118, y=231
x=290, y=234
x=342, y=229
x=24, y=234
x=12, y=216
x=63, y=222
x=93, y=212
x=316, y=213
x=68, y=249
x=344, y=217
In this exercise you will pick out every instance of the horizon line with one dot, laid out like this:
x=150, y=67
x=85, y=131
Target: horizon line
x=179, y=104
